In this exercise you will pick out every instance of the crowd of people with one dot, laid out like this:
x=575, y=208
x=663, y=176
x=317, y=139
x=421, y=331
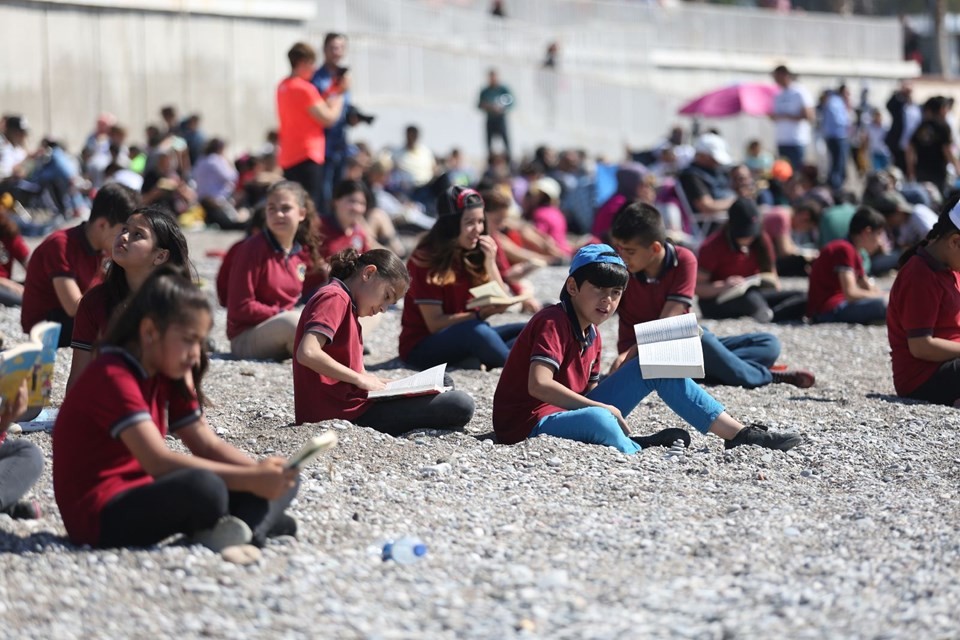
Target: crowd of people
x=336, y=235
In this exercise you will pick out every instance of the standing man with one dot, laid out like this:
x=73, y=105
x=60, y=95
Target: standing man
x=496, y=100
x=836, y=133
x=792, y=115
x=303, y=113
x=334, y=49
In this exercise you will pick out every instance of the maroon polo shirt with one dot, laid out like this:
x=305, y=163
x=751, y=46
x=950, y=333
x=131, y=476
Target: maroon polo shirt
x=91, y=320
x=452, y=298
x=721, y=259
x=825, y=293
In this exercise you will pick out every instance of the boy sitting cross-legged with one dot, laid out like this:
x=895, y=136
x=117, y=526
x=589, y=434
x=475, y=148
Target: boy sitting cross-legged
x=549, y=383
x=662, y=281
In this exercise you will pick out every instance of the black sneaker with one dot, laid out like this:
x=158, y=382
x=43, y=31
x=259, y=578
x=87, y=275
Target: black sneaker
x=286, y=525
x=760, y=437
x=663, y=438
x=24, y=510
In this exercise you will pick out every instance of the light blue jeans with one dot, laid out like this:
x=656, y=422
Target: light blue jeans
x=624, y=390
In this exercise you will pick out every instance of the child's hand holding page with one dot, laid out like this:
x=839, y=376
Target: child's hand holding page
x=370, y=382
x=11, y=410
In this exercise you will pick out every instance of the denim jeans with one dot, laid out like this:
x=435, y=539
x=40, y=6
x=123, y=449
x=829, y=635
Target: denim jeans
x=793, y=153
x=624, y=390
x=466, y=340
x=21, y=463
x=869, y=311
x=740, y=361
x=839, y=149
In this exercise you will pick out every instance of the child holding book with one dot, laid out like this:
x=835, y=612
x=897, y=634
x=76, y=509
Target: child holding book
x=923, y=319
x=115, y=480
x=149, y=238
x=550, y=382
x=454, y=256
x=662, y=283
x=68, y=262
x=839, y=288
x=738, y=250
x=266, y=277
x=329, y=379
x=21, y=463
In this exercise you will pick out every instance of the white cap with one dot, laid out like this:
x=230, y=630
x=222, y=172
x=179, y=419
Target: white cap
x=548, y=187
x=713, y=145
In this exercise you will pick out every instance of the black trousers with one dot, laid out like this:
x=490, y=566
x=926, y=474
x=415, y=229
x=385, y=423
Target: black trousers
x=943, y=387
x=309, y=175
x=498, y=129
x=763, y=305
x=450, y=411
x=184, y=501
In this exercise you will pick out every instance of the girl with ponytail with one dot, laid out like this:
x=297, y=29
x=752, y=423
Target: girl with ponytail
x=923, y=317
x=329, y=379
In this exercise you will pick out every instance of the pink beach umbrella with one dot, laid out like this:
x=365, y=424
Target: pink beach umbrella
x=751, y=98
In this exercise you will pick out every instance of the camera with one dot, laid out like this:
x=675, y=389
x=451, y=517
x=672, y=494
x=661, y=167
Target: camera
x=355, y=116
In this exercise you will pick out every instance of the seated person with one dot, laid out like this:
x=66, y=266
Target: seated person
x=704, y=182
x=839, y=289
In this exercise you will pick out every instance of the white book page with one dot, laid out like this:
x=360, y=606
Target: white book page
x=674, y=328
x=687, y=351
x=432, y=377
x=491, y=288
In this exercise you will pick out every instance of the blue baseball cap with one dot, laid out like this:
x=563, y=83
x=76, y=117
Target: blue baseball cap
x=592, y=253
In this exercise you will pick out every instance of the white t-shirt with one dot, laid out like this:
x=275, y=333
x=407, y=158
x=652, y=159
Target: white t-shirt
x=791, y=102
x=917, y=225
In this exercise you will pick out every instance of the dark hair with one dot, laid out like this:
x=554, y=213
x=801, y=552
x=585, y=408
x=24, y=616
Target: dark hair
x=258, y=219
x=216, y=145
x=8, y=227
x=330, y=37
x=811, y=206
x=389, y=267
x=865, y=218
x=306, y=234
x=167, y=297
x=599, y=274
x=941, y=229
x=168, y=236
x=439, y=251
x=301, y=52
x=348, y=188
x=115, y=202
x=641, y=222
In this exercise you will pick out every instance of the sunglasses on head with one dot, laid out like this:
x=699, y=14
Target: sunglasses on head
x=468, y=198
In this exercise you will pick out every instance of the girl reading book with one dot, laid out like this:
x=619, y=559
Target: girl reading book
x=922, y=316
x=21, y=463
x=454, y=256
x=149, y=238
x=329, y=379
x=741, y=249
x=267, y=274
x=116, y=481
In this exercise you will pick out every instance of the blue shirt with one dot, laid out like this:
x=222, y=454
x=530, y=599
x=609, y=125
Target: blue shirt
x=836, y=117
x=336, y=134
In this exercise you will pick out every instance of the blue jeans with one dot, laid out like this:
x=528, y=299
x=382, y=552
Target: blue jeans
x=839, y=149
x=624, y=390
x=869, y=311
x=793, y=153
x=21, y=464
x=466, y=340
x=740, y=361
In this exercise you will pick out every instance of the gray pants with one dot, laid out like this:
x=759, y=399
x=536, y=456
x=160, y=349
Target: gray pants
x=21, y=463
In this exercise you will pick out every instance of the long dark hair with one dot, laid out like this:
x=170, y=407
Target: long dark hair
x=943, y=228
x=168, y=236
x=307, y=234
x=439, y=250
x=757, y=247
x=167, y=297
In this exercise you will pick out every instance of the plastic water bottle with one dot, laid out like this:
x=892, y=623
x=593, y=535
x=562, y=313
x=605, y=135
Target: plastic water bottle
x=405, y=550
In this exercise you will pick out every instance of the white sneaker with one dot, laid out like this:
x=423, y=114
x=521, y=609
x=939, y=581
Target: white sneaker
x=228, y=531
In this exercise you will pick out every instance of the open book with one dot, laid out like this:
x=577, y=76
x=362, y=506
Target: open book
x=737, y=290
x=31, y=361
x=424, y=383
x=670, y=347
x=311, y=449
x=492, y=293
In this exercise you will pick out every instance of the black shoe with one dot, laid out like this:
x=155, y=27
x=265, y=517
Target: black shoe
x=286, y=525
x=663, y=438
x=24, y=510
x=760, y=437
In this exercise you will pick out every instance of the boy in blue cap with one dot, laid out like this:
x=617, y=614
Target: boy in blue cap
x=550, y=383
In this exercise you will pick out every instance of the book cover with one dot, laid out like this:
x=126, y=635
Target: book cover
x=670, y=347
x=46, y=334
x=311, y=449
x=491, y=293
x=16, y=365
x=419, y=384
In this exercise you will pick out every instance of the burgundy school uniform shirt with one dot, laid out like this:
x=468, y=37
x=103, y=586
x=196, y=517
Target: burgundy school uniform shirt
x=331, y=313
x=552, y=336
x=924, y=301
x=825, y=293
x=264, y=281
x=12, y=250
x=644, y=297
x=91, y=465
x=452, y=298
x=65, y=253
x=91, y=320
x=721, y=259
